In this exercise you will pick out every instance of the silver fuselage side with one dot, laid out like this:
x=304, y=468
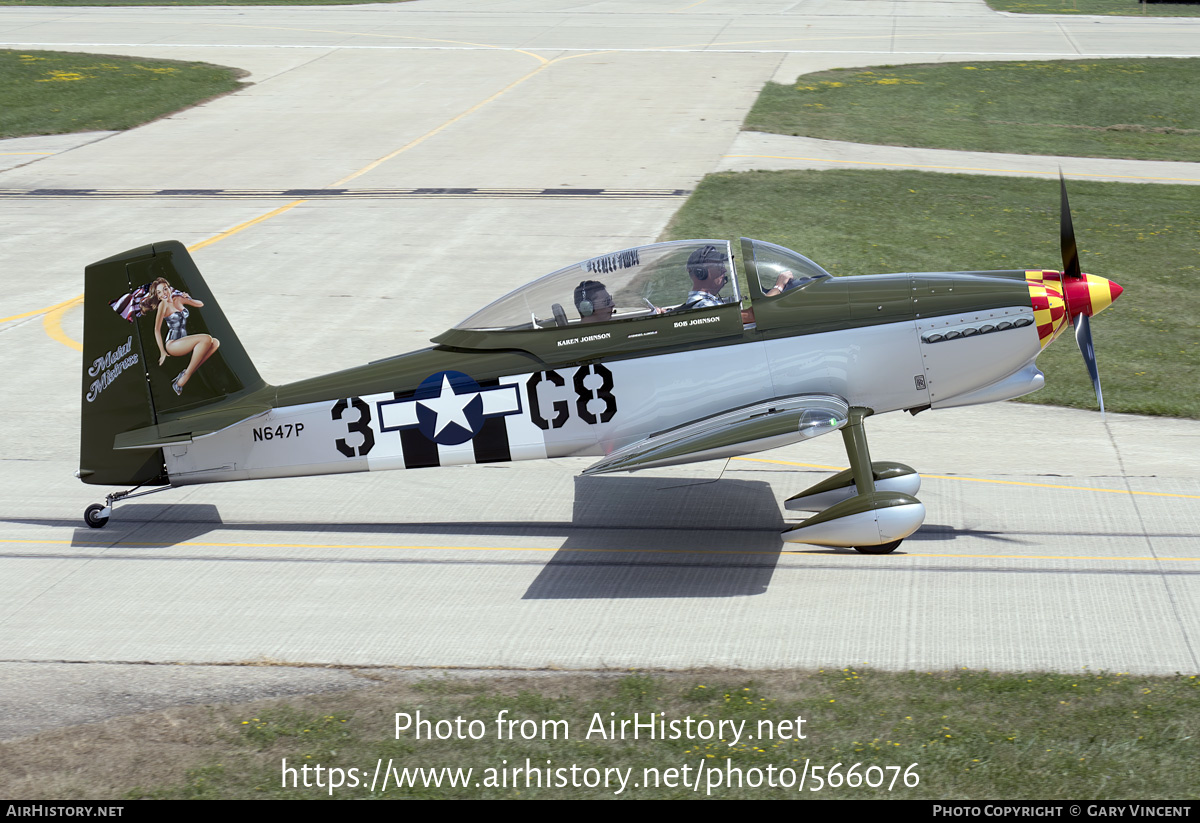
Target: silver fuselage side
x=597, y=408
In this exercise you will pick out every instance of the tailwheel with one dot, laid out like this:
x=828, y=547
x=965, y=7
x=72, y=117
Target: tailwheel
x=95, y=516
x=884, y=548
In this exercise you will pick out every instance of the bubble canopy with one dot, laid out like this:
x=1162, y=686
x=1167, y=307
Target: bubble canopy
x=632, y=283
x=768, y=261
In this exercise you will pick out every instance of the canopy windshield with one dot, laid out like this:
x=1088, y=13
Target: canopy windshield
x=624, y=285
x=770, y=261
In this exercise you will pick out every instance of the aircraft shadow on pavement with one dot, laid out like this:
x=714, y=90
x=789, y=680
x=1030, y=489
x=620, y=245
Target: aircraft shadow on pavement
x=936, y=533
x=154, y=524
x=649, y=537
x=167, y=525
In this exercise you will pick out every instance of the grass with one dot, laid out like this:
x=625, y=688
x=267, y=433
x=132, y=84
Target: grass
x=48, y=92
x=1145, y=237
x=956, y=735
x=1146, y=109
x=1109, y=7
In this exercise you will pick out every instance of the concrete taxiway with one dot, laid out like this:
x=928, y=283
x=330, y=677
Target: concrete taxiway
x=1054, y=540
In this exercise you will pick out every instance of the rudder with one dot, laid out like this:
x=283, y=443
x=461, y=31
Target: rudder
x=124, y=386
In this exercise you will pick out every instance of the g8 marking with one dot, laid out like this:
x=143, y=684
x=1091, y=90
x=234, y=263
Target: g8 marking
x=583, y=395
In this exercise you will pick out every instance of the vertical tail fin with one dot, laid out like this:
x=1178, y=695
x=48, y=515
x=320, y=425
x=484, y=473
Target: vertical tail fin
x=125, y=334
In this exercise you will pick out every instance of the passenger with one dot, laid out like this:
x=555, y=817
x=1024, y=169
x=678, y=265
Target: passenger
x=593, y=302
x=709, y=272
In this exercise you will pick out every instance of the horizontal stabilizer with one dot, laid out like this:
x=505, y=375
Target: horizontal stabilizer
x=148, y=438
x=186, y=429
x=731, y=433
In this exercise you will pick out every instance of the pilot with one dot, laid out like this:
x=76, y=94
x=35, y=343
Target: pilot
x=709, y=271
x=593, y=302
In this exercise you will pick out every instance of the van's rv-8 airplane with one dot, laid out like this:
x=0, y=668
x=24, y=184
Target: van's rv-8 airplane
x=646, y=357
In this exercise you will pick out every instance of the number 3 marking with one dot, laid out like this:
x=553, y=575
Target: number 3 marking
x=360, y=426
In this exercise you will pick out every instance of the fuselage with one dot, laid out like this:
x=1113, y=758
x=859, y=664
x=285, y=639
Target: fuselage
x=882, y=342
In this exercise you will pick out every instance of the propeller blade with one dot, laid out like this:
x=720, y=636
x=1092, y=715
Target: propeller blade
x=1083, y=336
x=1070, y=254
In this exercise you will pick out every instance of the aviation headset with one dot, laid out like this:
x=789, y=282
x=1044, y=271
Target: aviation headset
x=701, y=259
x=584, y=293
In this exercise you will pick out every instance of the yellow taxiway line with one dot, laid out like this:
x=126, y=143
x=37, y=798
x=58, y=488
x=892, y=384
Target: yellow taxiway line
x=52, y=323
x=980, y=480
x=36, y=312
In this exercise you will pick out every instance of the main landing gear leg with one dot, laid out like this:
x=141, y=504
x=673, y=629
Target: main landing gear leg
x=869, y=506
x=96, y=515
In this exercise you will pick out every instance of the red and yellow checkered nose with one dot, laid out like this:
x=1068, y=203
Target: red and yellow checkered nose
x=1088, y=295
x=1049, y=309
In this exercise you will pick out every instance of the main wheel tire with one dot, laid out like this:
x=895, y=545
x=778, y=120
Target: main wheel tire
x=886, y=548
x=92, y=516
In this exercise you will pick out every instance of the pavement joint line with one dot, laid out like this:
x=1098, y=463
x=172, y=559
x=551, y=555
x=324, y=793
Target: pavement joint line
x=982, y=480
x=976, y=168
x=457, y=43
x=891, y=37
x=1066, y=35
x=544, y=549
x=618, y=50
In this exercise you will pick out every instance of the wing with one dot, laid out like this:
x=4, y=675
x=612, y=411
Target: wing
x=745, y=430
